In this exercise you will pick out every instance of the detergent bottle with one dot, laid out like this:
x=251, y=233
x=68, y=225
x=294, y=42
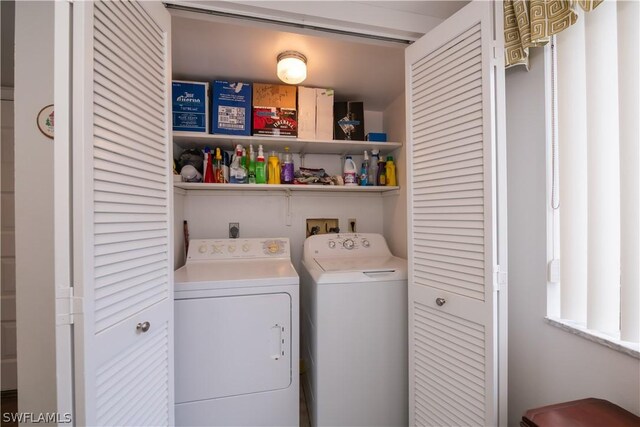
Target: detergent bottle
x=261, y=167
x=349, y=172
x=390, y=172
x=274, y=168
x=287, y=167
x=381, y=178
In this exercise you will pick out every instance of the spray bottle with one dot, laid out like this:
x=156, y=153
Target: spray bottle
x=238, y=174
x=218, y=170
x=208, y=168
x=364, y=170
x=373, y=167
x=261, y=167
x=252, y=165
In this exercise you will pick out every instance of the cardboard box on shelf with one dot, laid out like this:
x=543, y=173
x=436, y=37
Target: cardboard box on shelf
x=324, y=114
x=377, y=137
x=348, y=118
x=274, y=110
x=231, y=108
x=306, y=112
x=190, y=106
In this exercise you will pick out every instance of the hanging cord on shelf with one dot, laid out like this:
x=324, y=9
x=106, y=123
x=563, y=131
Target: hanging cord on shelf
x=555, y=198
x=185, y=229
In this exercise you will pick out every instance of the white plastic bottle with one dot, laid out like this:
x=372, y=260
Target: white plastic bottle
x=350, y=172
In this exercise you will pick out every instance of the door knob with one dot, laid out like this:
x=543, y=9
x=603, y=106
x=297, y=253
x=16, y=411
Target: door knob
x=143, y=327
x=440, y=301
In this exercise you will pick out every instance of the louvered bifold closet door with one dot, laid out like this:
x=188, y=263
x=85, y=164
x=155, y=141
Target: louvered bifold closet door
x=122, y=152
x=452, y=222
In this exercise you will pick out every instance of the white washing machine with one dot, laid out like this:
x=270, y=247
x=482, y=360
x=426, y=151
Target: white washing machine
x=236, y=334
x=354, y=338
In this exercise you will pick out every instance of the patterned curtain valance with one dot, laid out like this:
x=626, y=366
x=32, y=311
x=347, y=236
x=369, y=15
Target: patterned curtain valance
x=531, y=23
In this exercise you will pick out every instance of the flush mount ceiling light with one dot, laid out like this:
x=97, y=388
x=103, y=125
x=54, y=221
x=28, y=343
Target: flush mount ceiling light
x=292, y=67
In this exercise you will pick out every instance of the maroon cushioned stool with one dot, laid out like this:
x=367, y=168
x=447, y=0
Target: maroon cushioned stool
x=580, y=413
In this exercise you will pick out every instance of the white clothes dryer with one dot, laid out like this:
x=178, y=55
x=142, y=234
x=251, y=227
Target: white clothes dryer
x=236, y=334
x=354, y=338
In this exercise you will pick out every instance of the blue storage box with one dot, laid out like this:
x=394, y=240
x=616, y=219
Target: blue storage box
x=231, y=108
x=377, y=137
x=190, y=105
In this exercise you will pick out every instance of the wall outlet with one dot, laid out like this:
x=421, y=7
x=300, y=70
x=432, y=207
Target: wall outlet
x=234, y=230
x=352, y=225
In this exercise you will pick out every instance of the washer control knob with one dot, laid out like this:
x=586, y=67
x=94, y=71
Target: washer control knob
x=273, y=247
x=217, y=249
x=365, y=243
x=246, y=247
x=332, y=244
x=348, y=244
x=202, y=249
x=231, y=248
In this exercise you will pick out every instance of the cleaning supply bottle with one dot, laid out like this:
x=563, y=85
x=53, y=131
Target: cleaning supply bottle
x=349, y=172
x=243, y=162
x=238, y=174
x=381, y=178
x=208, y=168
x=261, y=167
x=252, y=165
x=287, y=167
x=274, y=168
x=390, y=172
x=364, y=170
x=218, y=171
x=373, y=167
x=225, y=165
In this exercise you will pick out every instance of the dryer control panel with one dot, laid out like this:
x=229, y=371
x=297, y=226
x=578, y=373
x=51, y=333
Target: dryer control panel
x=356, y=244
x=221, y=249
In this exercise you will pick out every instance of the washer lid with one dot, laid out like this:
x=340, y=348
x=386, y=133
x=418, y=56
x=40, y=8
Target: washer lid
x=234, y=274
x=359, y=264
x=328, y=270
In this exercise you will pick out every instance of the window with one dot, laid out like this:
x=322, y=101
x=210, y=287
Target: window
x=595, y=260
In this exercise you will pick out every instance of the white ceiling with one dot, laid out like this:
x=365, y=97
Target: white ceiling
x=438, y=9
x=209, y=47
x=204, y=50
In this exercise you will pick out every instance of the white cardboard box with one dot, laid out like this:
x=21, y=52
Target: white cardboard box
x=306, y=113
x=324, y=114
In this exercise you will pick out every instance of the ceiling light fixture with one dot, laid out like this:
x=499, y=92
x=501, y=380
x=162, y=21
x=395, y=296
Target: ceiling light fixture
x=292, y=67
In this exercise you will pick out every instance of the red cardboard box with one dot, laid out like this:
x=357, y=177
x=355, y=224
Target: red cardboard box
x=274, y=110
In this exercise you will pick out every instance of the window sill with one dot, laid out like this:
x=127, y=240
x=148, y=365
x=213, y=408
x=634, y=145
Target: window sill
x=628, y=348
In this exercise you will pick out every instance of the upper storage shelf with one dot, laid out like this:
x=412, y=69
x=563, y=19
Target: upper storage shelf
x=301, y=146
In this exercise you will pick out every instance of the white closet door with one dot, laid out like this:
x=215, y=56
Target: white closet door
x=454, y=86
x=122, y=198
